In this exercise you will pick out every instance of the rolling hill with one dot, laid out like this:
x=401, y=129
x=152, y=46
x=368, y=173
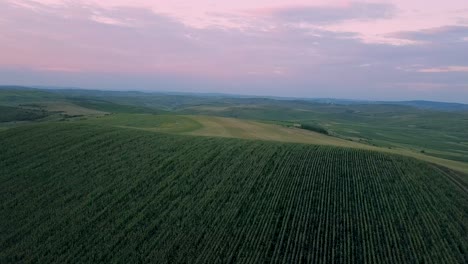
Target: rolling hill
x=89, y=193
x=387, y=125
x=248, y=129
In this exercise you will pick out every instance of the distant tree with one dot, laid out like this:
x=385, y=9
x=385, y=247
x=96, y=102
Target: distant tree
x=315, y=128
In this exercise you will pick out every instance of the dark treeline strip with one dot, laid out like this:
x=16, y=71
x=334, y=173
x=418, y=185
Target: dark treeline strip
x=13, y=114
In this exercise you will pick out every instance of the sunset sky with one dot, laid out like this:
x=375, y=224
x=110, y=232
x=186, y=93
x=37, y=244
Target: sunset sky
x=377, y=50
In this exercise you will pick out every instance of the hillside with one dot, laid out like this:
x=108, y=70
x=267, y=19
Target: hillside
x=247, y=129
x=84, y=193
x=437, y=134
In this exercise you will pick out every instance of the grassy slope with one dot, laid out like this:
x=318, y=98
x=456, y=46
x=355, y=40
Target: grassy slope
x=221, y=127
x=239, y=128
x=83, y=193
x=382, y=125
x=247, y=129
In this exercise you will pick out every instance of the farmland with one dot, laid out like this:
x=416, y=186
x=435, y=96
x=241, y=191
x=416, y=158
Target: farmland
x=84, y=193
x=247, y=129
x=385, y=125
x=237, y=132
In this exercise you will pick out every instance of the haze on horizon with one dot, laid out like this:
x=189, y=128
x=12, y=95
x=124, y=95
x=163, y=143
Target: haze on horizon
x=377, y=50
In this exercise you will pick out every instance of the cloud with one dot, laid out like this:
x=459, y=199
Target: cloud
x=108, y=20
x=335, y=14
x=135, y=40
x=69, y=37
x=445, y=69
x=430, y=87
x=453, y=33
x=121, y=47
x=56, y=69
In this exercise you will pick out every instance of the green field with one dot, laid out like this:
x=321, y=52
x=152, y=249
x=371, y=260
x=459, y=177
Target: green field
x=444, y=133
x=435, y=132
x=214, y=126
x=433, y=135
x=125, y=177
x=86, y=193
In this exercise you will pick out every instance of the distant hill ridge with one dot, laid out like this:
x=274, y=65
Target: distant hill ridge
x=420, y=104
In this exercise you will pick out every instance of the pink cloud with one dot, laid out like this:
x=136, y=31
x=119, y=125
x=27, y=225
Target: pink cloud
x=429, y=87
x=240, y=41
x=445, y=69
x=109, y=20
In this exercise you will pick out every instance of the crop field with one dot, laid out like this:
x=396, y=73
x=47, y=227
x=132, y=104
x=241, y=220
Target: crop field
x=83, y=193
x=435, y=134
x=248, y=129
x=149, y=122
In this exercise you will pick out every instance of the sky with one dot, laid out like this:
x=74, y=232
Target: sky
x=373, y=50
